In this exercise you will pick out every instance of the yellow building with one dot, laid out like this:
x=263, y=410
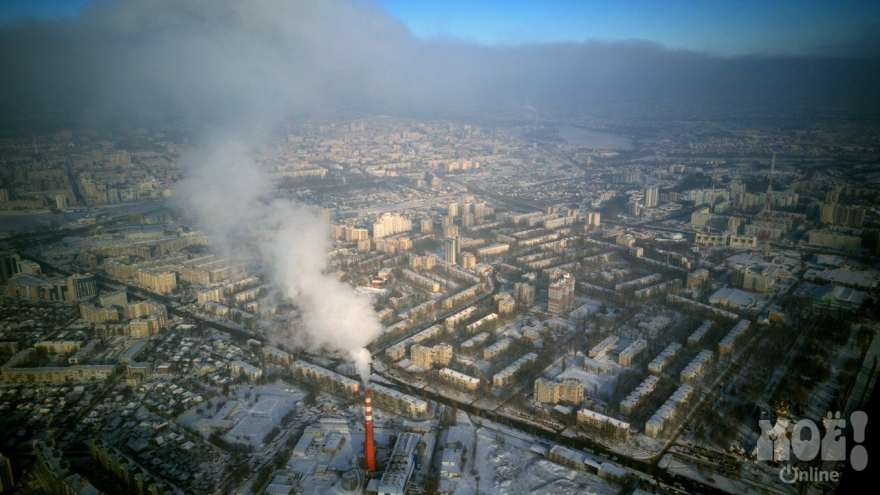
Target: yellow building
x=554, y=392
x=427, y=357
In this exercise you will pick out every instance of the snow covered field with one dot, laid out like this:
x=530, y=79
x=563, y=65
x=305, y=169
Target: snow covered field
x=505, y=466
x=506, y=470
x=259, y=410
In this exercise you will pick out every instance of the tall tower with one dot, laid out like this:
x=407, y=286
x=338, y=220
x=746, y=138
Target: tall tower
x=451, y=249
x=452, y=211
x=369, y=443
x=768, y=201
x=650, y=196
x=6, y=479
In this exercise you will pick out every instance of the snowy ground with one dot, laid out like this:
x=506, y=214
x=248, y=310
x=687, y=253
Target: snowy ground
x=505, y=466
x=254, y=418
x=505, y=469
x=595, y=384
x=747, y=484
x=587, y=305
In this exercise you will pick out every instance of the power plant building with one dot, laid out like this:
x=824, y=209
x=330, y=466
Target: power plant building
x=400, y=466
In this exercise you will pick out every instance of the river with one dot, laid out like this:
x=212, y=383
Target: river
x=25, y=221
x=594, y=140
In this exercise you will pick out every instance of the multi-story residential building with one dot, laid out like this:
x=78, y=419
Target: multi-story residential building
x=553, y=392
x=626, y=357
x=659, y=363
x=834, y=240
x=468, y=261
x=696, y=367
x=697, y=278
x=595, y=420
x=507, y=375
x=427, y=357
x=451, y=247
x=561, y=294
x=628, y=405
x=459, y=379
x=524, y=294
x=496, y=349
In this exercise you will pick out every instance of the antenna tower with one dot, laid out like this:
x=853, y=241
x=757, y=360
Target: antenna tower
x=768, y=202
x=714, y=179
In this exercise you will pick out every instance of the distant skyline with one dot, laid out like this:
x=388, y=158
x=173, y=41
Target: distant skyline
x=267, y=59
x=747, y=27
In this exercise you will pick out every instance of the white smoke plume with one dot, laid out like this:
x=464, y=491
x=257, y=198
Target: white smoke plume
x=246, y=65
x=233, y=200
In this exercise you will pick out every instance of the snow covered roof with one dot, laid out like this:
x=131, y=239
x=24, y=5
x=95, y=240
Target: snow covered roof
x=733, y=298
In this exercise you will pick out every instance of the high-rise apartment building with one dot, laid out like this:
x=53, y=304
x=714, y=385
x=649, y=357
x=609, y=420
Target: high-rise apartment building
x=6, y=480
x=524, y=294
x=651, y=196
x=452, y=211
x=450, y=249
x=80, y=286
x=390, y=224
x=561, y=294
x=468, y=260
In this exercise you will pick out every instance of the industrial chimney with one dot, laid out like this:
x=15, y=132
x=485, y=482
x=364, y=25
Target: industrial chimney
x=369, y=443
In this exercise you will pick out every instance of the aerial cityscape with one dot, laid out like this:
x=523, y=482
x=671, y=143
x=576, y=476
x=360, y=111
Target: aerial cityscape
x=295, y=248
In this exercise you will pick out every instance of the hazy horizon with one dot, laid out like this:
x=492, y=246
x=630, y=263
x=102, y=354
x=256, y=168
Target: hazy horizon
x=270, y=60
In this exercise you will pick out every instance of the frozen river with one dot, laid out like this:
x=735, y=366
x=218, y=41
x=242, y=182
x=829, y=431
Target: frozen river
x=30, y=221
x=594, y=140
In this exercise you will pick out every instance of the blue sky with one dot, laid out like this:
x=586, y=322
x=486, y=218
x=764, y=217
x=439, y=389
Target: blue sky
x=734, y=27
x=13, y=10
x=789, y=27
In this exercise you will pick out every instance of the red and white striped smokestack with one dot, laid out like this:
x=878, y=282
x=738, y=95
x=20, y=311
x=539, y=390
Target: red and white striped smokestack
x=369, y=443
